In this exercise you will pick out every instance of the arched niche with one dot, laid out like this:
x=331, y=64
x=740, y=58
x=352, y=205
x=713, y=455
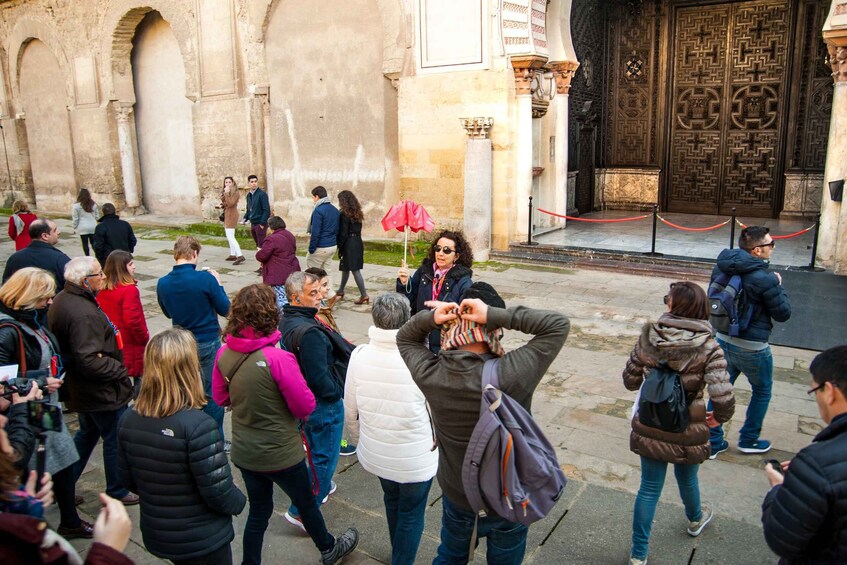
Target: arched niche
x=26, y=29
x=123, y=18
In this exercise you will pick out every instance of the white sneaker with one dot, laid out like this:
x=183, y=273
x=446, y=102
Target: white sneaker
x=694, y=528
x=295, y=520
x=634, y=561
x=332, y=488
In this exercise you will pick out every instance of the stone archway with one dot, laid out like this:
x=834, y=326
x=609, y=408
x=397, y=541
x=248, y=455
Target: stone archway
x=164, y=120
x=47, y=126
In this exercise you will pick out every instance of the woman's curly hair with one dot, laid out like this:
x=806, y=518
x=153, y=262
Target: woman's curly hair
x=254, y=307
x=463, y=248
x=350, y=206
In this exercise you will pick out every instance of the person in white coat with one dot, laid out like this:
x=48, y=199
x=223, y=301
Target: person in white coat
x=387, y=417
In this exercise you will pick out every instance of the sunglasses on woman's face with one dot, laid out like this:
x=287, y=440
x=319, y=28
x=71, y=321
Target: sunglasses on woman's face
x=445, y=250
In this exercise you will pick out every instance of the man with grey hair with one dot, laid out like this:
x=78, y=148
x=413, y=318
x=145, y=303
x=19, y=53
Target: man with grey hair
x=41, y=252
x=322, y=354
x=394, y=434
x=97, y=384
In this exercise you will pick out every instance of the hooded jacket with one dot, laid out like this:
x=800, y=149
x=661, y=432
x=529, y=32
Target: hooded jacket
x=764, y=292
x=456, y=281
x=805, y=519
x=95, y=377
x=268, y=395
x=178, y=467
x=689, y=349
x=452, y=380
x=386, y=415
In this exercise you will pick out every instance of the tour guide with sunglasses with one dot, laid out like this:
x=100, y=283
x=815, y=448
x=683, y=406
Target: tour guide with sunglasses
x=96, y=381
x=749, y=353
x=442, y=277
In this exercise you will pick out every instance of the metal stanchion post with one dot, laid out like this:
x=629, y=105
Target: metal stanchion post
x=812, y=268
x=652, y=252
x=732, y=231
x=529, y=226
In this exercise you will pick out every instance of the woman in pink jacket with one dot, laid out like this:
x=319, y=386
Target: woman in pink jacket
x=268, y=396
x=121, y=302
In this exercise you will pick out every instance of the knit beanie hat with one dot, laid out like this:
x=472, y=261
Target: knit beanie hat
x=459, y=332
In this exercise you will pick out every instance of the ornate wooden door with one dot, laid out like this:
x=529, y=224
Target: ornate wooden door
x=728, y=106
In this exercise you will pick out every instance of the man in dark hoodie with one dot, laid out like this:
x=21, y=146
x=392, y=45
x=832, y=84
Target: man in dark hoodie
x=749, y=353
x=112, y=233
x=452, y=384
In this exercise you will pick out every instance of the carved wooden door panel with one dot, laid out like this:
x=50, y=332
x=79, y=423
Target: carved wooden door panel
x=729, y=72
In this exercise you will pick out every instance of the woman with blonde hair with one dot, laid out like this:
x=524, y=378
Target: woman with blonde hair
x=85, y=214
x=22, y=299
x=171, y=454
x=121, y=302
x=19, y=223
x=229, y=203
x=268, y=396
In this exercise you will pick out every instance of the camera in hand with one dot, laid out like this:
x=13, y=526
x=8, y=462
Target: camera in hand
x=22, y=385
x=44, y=417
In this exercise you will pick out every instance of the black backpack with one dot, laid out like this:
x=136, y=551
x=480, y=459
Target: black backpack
x=662, y=403
x=341, y=349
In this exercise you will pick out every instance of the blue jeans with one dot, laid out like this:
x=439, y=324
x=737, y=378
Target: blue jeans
x=405, y=504
x=294, y=482
x=757, y=366
x=652, y=480
x=207, y=351
x=92, y=427
x=506, y=540
x=324, y=429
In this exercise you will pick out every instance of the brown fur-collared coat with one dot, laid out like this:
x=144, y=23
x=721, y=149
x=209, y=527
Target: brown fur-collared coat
x=688, y=348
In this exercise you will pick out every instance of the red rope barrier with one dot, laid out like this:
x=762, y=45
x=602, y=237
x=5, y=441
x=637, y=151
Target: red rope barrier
x=795, y=234
x=714, y=227
x=787, y=236
x=573, y=219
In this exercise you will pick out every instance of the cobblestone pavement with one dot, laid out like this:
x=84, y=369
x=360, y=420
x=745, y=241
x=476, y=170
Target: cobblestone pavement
x=582, y=405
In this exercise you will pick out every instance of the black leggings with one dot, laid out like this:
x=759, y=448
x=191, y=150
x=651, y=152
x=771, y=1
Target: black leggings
x=221, y=556
x=360, y=282
x=64, y=490
x=87, y=239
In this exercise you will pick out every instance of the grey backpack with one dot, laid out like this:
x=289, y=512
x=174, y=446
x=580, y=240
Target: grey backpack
x=510, y=468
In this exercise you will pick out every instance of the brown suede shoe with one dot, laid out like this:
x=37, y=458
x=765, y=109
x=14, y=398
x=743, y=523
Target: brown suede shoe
x=239, y=260
x=130, y=499
x=231, y=258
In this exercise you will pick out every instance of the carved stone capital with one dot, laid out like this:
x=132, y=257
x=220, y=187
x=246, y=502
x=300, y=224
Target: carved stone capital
x=564, y=72
x=477, y=128
x=836, y=44
x=123, y=112
x=525, y=69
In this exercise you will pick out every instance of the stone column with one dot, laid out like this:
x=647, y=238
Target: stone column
x=126, y=147
x=478, y=186
x=832, y=243
x=266, y=135
x=524, y=69
x=563, y=71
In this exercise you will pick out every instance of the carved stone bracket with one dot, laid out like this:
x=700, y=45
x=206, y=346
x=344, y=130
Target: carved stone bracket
x=836, y=44
x=563, y=71
x=525, y=69
x=123, y=113
x=477, y=128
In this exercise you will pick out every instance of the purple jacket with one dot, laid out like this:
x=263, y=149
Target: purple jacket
x=278, y=257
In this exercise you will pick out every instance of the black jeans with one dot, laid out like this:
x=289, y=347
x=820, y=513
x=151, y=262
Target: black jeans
x=221, y=556
x=64, y=490
x=87, y=239
x=297, y=484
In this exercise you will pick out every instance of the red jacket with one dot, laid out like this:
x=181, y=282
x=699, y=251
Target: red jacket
x=278, y=257
x=21, y=239
x=123, y=306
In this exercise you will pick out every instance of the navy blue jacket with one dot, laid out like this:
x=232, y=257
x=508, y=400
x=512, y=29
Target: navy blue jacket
x=315, y=355
x=193, y=299
x=457, y=280
x=763, y=290
x=324, y=227
x=38, y=254
x=805, y=519
x=258, y=208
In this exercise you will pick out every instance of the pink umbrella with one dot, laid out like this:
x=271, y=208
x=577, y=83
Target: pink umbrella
x=407, y=214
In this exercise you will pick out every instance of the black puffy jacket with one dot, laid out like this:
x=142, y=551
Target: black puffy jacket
x=178, y=468
x=764, y=291
x=805, y=519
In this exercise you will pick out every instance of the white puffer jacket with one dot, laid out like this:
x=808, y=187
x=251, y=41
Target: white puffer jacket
x=386, y=413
